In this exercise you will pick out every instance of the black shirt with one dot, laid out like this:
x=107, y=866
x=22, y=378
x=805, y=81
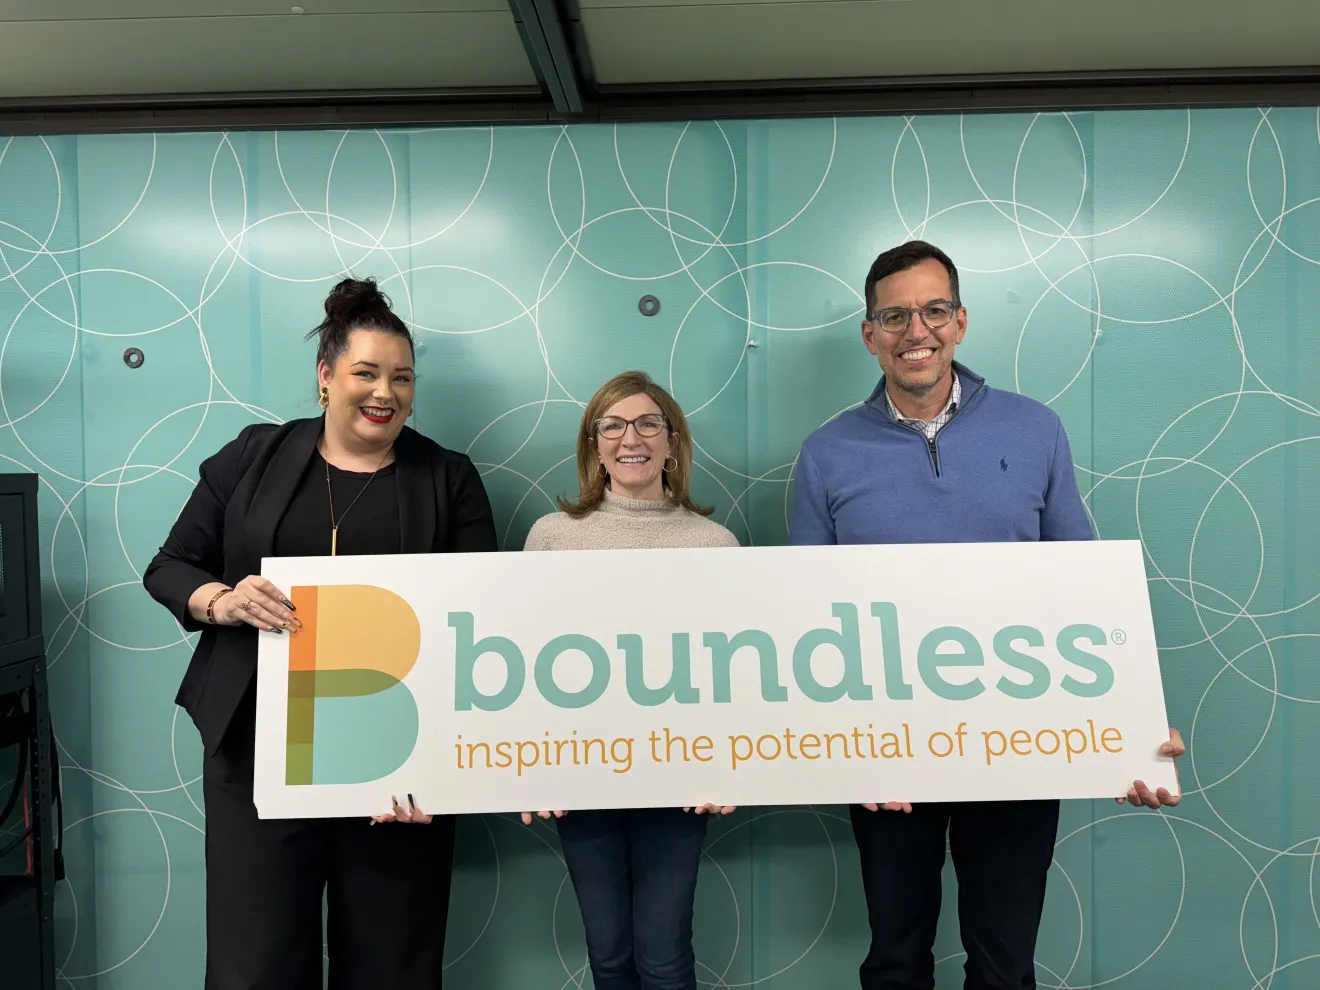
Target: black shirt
x=371, y=526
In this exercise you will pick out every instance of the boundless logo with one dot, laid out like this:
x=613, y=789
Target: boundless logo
x=351, y=719
x=1016, y=662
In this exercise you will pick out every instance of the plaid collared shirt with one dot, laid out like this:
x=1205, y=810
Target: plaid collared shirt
x=935, y=425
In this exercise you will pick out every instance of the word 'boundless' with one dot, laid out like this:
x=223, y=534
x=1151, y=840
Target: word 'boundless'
x=948, y=647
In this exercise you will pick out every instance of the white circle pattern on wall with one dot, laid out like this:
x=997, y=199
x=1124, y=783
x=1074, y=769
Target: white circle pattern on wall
x=1153, y=276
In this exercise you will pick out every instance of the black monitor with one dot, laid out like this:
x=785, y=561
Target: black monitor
x=28, y=774
x=20, y=569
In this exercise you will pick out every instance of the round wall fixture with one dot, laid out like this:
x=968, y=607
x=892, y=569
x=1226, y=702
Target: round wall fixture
x=648, y=305
x=134, y=357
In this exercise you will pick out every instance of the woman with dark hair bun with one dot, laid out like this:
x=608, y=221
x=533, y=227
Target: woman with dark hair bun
x=354, y=480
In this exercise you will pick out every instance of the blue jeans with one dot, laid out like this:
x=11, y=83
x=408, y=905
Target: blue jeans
x=635, y=873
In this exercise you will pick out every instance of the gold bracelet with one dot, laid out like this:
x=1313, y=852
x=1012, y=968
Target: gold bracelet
x=210, y=606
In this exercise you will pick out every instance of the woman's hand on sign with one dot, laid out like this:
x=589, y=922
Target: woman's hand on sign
x=257, y=602
x=527, y=815
x=902, y=806
x=411, y=814
x=1140, y=794
x=714, y=809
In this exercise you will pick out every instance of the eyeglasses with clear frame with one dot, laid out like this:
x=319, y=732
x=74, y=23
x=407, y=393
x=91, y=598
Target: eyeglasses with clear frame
x=614, y=427
x=896, y=319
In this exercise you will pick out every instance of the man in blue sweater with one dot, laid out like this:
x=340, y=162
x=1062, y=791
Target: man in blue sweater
x=936, y=455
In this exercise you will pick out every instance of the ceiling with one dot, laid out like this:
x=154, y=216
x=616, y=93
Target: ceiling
x=662, y=40
x=71, y=48
x=90, y=51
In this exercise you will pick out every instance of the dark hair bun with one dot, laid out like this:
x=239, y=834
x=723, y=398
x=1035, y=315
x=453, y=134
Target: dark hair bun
x=353, y=297
x=355, y=304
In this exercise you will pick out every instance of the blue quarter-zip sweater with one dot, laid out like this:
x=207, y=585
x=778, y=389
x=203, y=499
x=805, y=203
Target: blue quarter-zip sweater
x=1000, y=471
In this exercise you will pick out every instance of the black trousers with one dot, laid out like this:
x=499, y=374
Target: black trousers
x=1002, y=852
x=386, y=888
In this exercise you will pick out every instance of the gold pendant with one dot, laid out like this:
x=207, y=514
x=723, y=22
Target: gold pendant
x=334, y=542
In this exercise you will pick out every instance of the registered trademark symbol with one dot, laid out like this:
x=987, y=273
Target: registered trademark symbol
x=1119, y=637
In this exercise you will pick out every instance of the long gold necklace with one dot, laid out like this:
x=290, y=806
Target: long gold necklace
x=334, y=525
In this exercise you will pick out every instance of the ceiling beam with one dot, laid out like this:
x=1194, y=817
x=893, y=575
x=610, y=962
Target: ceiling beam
x=164, y=113
x=546, y=37
x=577, y=43
x=989, y=93
x=706, y=101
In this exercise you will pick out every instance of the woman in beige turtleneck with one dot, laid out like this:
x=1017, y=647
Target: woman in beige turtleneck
x=634, y=870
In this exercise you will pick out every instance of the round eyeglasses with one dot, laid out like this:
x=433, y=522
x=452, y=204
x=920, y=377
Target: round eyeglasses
x=614, y=427
x=895, y=319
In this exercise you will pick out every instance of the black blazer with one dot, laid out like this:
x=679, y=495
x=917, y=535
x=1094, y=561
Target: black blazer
x=229, y=524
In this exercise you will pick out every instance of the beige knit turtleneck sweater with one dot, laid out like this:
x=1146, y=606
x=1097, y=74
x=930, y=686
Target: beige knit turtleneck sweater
x=628, y=524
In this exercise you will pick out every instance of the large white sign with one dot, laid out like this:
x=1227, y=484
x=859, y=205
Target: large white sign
x=767, y=675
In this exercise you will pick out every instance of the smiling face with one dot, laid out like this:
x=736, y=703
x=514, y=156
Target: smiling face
x=370, y=388
x=918, y=360
x=634, y=463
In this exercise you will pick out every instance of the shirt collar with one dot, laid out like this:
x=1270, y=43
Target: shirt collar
x=955, y=397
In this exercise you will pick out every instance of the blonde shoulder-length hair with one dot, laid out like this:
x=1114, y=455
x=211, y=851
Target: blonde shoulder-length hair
x=592, y=480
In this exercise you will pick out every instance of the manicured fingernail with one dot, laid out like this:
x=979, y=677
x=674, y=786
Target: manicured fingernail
x=411, y=804
x=277, y=630
x=289, y=605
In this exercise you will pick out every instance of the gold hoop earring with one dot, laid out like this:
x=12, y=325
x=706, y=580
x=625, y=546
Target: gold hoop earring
x=324, y=398
x=603, y=472
x=671, y=457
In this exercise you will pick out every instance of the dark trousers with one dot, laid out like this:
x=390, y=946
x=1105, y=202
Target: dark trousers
x=635, y=874
x=387, y=888
x=1002, y=852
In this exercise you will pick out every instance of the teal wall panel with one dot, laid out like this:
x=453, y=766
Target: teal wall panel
x=1151, y=275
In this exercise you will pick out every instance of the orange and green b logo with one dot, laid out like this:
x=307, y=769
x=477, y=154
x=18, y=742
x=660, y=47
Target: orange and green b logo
x=351, y=719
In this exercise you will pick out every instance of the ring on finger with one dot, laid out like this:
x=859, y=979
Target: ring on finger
x=245, y=606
